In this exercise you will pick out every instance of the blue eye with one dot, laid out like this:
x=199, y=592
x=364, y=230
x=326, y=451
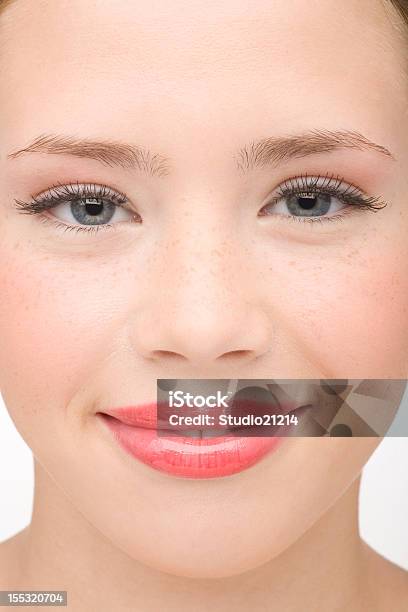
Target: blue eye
x=91, y=211
x=81, y=207
x=305, y=205
x=309, y=198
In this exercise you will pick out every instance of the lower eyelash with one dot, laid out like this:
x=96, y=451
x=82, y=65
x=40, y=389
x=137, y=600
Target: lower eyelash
x=321, y=219
x=352, y=209
x=92, y=229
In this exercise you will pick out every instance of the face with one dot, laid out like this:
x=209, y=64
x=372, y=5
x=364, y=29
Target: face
x=201, y=228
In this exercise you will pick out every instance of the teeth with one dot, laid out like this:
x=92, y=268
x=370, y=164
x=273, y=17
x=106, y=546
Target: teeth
x=193, y=433
x=203, y=433
x=214, y=433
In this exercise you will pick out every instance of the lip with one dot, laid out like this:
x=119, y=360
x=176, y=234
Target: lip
x=135, y=430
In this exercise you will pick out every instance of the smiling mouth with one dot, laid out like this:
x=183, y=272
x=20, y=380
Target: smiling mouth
x=194, y=452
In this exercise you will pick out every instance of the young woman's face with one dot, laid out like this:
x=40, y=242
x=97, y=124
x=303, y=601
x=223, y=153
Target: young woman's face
x=195, y=276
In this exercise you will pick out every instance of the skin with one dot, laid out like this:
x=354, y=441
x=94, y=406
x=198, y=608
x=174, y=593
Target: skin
x=203, y=288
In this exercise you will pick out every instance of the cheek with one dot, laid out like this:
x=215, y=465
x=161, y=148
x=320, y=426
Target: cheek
x=55, y=323
x=353, y=313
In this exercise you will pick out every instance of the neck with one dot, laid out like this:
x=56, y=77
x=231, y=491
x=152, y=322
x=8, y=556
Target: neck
x=60, y=550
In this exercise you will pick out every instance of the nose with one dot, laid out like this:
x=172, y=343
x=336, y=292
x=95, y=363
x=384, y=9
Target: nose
x=202, y=307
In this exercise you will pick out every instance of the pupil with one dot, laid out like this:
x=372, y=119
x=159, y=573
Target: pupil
x=93, y=207
x=307, y=203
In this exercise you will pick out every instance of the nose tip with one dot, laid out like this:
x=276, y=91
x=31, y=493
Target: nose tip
x=233, y=336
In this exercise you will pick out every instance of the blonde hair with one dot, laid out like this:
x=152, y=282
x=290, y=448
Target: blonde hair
x=402, y=8
x=4, y=3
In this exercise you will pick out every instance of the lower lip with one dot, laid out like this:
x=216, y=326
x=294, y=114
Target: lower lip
x=191, y=457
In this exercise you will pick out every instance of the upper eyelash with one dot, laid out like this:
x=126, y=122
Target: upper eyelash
x=331, y=185
x=60, y=193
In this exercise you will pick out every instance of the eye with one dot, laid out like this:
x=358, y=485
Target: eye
x=90, y=211
x=309, y=198
x=308, y=205
x=81, y=207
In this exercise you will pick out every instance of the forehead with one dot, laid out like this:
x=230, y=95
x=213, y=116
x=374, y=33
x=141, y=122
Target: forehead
x=278, y=63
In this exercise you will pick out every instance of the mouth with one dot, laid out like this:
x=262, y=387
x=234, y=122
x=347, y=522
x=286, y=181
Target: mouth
x=191, y=451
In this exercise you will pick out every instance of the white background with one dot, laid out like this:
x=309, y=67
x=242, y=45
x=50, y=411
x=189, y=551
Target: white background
x=383, y=500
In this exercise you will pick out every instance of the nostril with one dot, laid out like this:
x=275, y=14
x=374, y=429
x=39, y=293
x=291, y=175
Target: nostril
x=162, y=354
x=238, y=354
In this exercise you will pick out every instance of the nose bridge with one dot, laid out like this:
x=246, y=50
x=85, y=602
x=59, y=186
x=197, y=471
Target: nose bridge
x=197, y=247
x=198, y=276
x=199, y=260
x=204, y=304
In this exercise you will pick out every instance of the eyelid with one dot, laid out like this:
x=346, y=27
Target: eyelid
x=61, y=193
x=68, y=191
x=309, y=182
x=334, y=185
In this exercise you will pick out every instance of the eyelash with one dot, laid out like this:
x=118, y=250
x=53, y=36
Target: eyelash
x=334, y=186
x=60, y=194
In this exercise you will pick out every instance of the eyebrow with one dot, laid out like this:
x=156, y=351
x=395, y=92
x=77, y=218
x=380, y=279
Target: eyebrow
x=108, y=152
x=268, y=151
x=279, y=149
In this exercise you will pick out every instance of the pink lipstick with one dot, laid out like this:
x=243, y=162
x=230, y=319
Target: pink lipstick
x=136, y=430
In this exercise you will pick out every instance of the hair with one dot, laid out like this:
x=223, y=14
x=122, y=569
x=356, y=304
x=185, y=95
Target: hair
x=4, y=3
x=402, y=8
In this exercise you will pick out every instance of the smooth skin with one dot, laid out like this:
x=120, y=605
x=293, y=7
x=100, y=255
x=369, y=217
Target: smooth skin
x=203, y=287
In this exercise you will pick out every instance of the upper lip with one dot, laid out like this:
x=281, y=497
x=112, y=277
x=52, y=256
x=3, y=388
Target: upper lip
x=145, y=415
